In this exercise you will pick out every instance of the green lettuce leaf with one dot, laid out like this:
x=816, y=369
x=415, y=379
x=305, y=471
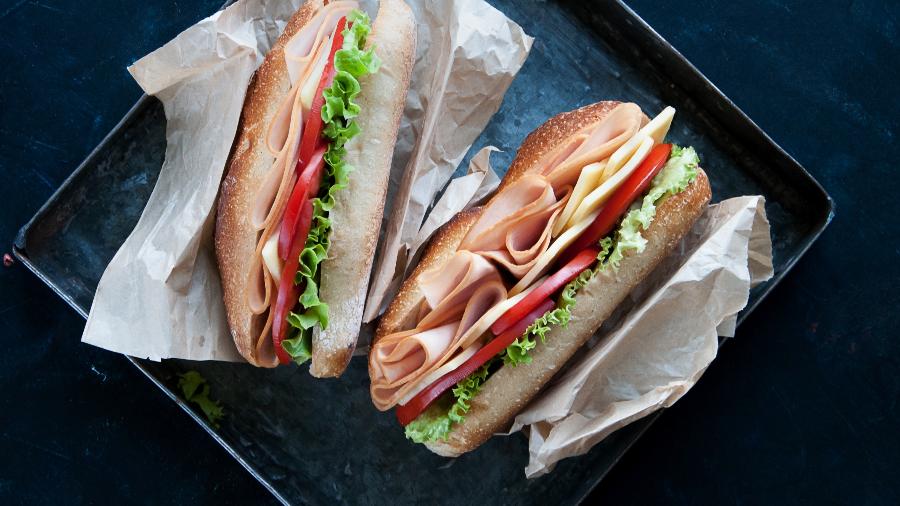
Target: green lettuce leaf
x=437, y=420
x=465, y=390
x=350, y=62
x=299, y=347
x=195, y=389
x=432, y=425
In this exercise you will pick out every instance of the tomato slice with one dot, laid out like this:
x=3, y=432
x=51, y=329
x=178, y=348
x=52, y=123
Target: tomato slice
x=311, y=143
x=288, y=292
x=618, y=203
x=312, y=131
x=306, y=187
x=550, y=285
x=412, y=409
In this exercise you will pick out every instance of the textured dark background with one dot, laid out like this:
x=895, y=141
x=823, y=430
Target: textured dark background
x=801, y=408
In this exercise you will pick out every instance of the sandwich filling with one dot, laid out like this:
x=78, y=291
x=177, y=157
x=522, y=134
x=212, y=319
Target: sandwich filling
x=324, y=60
x=517, y=272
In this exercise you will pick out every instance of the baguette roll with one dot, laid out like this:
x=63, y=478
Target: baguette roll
x=261, y=177
x=509, y=389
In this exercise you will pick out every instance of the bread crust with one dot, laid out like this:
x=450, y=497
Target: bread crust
x=248, y=163
x=511, y=388
x=550, y=137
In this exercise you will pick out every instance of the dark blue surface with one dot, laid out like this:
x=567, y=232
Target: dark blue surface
x=801, y=408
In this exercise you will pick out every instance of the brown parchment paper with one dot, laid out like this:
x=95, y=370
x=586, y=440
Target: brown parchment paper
x=160, y=296
x=659, y=342
x=452, y=111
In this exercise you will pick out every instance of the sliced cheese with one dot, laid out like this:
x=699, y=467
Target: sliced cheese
x=311, y=83
x=598, y=197
x=628, y=156
x=527, y=283
x=659, y=126
x=656, y=129
x=587, y=181
x=270, y=257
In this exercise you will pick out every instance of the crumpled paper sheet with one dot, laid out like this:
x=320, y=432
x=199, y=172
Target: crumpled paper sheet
x=453, y=110
x=462, y=193
x=658, y=342
x=160, y=296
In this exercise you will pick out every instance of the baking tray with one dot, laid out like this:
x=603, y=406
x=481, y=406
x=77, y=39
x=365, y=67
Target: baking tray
x=310, y=441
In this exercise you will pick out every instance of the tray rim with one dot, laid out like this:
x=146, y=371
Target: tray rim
x=829, y=208
x=19, y=249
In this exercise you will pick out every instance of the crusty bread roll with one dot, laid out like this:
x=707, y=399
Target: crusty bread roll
x=356, y=216
x=247, y=166
x=508, y=390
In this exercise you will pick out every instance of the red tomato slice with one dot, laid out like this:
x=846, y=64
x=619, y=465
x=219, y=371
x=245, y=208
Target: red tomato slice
x=412, y=409
x=288, y=292
x=311, y=143
x=307, y=186
x=616, y=206
x=312, y=131
x=550, y=285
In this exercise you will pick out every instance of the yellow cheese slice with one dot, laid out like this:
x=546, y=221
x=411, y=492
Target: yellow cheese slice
x=656, y=129
x=594, y=188
x=598, y=197
x=270, y=256
x=659, y=126
x=307, y=93
x=587, y=181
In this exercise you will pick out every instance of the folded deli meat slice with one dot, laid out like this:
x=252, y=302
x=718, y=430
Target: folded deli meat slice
x=457, y=297
x=298, y=51
x=448, y=367
x=468, y=344
x=305, y=57
x=515, y=227
x=595, y=143
x=546, y=260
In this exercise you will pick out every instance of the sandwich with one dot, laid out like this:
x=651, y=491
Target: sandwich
x=301, y=203
x=507, y=293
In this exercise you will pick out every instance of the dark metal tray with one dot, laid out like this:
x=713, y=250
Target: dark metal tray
x=311, y=441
